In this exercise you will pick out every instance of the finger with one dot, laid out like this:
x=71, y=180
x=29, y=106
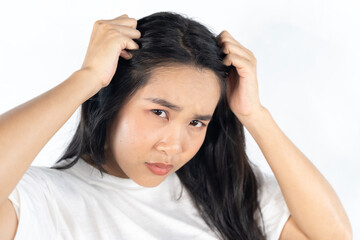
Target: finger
x=230, y=47
x=125, y=42
x=122, y=16
x=107, y=27
x=237, y=61
x=130, y=44
x=123, y=21
x=225, y=36
x=130, y=32
x=222, y=35
x=125, y=54
x=225, y=41
x=130, y=22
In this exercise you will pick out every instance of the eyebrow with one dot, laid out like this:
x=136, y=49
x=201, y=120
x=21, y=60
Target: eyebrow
x=176, y=108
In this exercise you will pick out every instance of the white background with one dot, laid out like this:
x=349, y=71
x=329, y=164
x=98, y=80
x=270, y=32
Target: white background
x=308, y=68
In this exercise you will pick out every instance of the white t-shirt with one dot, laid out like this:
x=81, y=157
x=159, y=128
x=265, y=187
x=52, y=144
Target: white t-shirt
x=77, y=203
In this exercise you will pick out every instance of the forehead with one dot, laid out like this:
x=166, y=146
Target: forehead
x=184, y=85
x=196, y=82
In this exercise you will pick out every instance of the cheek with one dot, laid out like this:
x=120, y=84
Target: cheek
x=133, y=133
x=193, y=145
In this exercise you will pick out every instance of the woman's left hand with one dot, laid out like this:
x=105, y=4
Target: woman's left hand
x=242, y=85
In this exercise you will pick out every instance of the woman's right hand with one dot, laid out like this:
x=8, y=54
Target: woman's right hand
x=108, y=40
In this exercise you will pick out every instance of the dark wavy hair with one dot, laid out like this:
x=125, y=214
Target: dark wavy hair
x=219, y=178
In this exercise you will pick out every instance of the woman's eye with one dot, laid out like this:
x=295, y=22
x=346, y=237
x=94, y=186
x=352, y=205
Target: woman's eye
x=198, y=123
x=159, y=112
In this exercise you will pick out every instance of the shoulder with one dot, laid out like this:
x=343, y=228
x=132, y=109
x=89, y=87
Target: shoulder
x=29, y=198
x=44, y=175
x=41, y=182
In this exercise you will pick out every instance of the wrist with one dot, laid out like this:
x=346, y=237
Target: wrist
x=254, y=118
x=84, y=83
x=90, y=81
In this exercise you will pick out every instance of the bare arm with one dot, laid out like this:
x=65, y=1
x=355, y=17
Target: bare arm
x=313, y=204
x=25, y=129
x=316, y=211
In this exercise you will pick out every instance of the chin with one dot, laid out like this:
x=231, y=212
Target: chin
x=151, y=184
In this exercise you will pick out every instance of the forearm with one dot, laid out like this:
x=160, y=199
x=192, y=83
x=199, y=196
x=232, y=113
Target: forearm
x=25, y=129
x=312, y=202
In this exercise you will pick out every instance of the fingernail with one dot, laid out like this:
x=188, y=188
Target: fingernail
x=125, y=54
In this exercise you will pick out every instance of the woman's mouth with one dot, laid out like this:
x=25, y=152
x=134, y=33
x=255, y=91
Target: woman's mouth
x=159, y=168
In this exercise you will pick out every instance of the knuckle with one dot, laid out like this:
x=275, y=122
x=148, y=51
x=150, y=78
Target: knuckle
x=229, y=57
x=227, y=41
x=252, y=55
x=133, y=45
x=225, y=33
x=106, y=26
x=224, y=42
x=225, y=49
x=133, y=20
x=251, y=62
x=227, y=44
x=124, y=42
x=112, y=32
x=228, y=60
x=99, y=22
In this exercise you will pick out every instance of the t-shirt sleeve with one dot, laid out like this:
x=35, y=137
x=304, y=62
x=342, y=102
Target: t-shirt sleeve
x=31, y=200
x=272, y=204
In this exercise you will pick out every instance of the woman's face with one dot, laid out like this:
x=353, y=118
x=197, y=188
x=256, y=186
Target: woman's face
x=162, y=123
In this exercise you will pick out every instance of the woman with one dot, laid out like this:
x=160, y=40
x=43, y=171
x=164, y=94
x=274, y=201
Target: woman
x=159, y=152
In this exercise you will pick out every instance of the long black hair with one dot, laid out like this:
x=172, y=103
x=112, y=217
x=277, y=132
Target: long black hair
x=219, y=178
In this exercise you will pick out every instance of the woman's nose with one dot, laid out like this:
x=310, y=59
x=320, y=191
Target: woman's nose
x=171, y=143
